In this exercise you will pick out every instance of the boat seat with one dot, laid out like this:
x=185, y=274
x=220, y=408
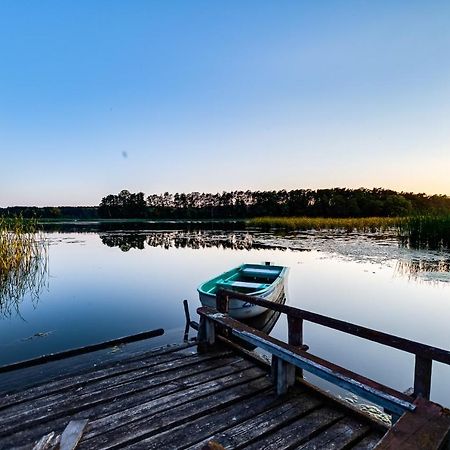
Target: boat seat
x=243, y=284
x=256, y=272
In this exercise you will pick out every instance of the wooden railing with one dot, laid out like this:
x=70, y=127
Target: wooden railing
x=287, y=356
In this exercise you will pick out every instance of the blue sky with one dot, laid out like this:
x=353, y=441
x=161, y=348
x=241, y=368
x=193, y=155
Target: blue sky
x=154, y=96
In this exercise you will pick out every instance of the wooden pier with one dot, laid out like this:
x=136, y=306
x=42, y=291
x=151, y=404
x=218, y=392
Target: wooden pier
x=177, y=398
x=219, y=396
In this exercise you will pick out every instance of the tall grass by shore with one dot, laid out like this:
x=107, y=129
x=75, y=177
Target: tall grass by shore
x=327, y=223
x=23, y=262
x=427, y=231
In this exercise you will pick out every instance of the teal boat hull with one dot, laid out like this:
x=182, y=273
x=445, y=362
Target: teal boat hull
x=259, y=280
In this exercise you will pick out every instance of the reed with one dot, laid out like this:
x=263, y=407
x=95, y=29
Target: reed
x=370, y=224
x=428, y=231
x=23, y=262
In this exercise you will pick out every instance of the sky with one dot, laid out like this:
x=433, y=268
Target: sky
x=97, y=96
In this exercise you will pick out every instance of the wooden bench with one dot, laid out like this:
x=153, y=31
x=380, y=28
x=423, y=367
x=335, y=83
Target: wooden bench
x=256, y=272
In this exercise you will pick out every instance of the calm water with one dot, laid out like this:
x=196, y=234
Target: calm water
x=106, y=284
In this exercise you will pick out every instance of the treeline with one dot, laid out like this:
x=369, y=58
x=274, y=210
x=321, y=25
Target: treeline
x=52, y=212
x=337, y=202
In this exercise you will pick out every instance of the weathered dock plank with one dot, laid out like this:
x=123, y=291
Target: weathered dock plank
x=146, y=360
x=297, y=432
x=140, y=422
x=368, y=442
x=113, y=386
x=338, y=436
x=45, y=409
x=22, y=379
x=179, y=381
x=264, y=423
x=214, y=422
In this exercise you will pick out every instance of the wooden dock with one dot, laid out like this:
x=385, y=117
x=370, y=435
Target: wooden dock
x=216, y=396
x=177, y=398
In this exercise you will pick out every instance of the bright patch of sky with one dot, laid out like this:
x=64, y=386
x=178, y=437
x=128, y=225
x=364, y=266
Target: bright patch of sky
x=153, y=96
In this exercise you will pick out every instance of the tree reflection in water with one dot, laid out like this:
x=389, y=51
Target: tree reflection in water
x=124, y=241
x=179, y=239
x=426, y=265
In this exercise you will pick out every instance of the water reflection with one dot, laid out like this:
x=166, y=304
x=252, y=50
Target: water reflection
x=413, y=264
x=183, y=239
x=430, y=269
x=14, y=287
x=24, y=280
x=124, y=241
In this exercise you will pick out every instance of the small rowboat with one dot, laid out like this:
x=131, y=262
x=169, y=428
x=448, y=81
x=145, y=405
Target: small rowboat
x=259, y=280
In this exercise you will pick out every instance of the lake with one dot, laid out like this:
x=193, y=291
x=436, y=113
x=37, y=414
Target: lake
x=107, y=283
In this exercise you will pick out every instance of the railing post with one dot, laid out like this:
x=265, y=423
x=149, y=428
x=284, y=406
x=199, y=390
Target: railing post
x=295, y=331
x=273, y=369
x=206, y=334
x=283, y=375
x=222, y=302
x=295, y=336
x=422, y=377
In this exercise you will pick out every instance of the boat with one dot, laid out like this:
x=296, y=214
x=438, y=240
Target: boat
x=259, y=280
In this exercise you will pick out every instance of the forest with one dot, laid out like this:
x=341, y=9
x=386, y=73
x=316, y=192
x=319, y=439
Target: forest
x=336, y=202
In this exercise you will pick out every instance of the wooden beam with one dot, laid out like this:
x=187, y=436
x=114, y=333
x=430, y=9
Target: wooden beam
x=81, y=350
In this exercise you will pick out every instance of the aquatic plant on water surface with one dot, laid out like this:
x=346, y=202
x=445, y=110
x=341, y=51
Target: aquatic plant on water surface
x=23, y=262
